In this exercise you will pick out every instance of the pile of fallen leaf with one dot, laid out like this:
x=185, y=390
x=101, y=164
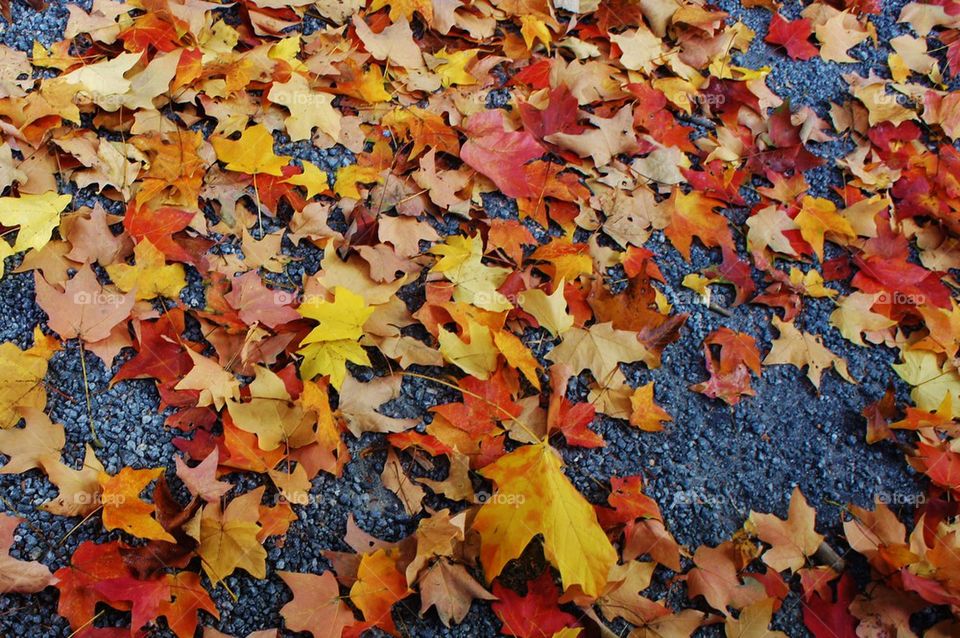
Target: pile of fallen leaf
x=624, y=118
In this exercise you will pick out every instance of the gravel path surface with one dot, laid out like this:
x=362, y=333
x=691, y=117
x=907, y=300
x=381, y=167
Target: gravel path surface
x=707, y=470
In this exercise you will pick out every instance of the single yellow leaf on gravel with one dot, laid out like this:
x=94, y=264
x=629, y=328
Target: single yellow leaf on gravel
x=533, y=497
x=149, y=276
x=251, y=154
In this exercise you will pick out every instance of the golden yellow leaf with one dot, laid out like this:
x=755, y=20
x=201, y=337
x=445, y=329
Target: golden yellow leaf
x=535, y=497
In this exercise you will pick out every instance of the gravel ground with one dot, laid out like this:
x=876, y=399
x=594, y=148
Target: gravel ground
x=710, y=467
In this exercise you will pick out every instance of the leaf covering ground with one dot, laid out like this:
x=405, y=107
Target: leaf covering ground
x=623, y=119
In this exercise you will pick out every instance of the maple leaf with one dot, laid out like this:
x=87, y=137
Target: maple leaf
x=817, y=218
x=450, y=589
x=753, y=622
x=550, y=311
x=201, y=480
x=801, y=349
x=85, y=308
x=395, y=43
x=309, y=108
x=477, y=356
x=150, y=276
x=188, y=597
x=215, y=385
x=931, y=380
x=18, y=576
x=792, y=36
x=270, y=413
x=731, y=357
x=251, y=154
x=692, y=216
x=716, y=578
x=499, y=154
x=122, y=507
x=830, y=615
x=36, y=216
x=475, y=282
x=854, y=317
x=534, y=615
x=228, y=537
x=646, y=414
x=145, y=597
x=38, y=442
x=79, y=490
x=317, y=606
x=90, y=564
x=611, y=137
x=600, y=349
x=792, y=540
x=379, y=585
x=328, y=347
x=838, y=34
x=537, y=498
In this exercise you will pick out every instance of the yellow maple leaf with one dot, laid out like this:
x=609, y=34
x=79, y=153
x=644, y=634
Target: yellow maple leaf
x=533, y=497
x=330, y=358
x=550, y=311
x=475, y=282
x=454, y=68
x=342, y=318
x=932, y=381
x=477, y=357
x=533, y=29
x=251, y=154
x=35, y=215
x=228, y=537
x=404, y=8
x=308, y=108
x=21, y=376
x=334, y=341
x=312, y=178
x=349, y=176
x=149, y=276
